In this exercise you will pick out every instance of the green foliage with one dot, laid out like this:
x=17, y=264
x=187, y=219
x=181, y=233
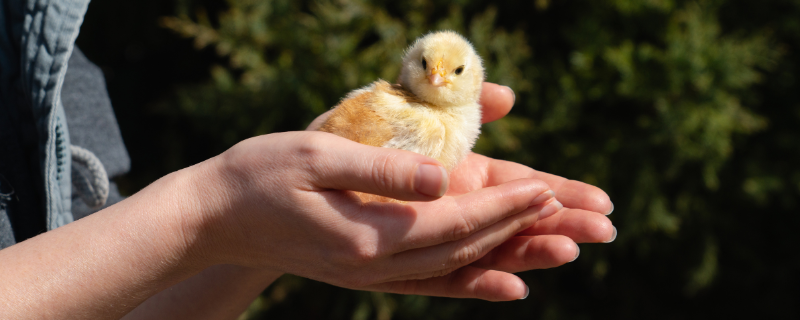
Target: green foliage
x=309, y=55
x=685, y=112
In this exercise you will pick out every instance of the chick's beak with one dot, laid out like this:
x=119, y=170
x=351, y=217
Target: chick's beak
x=436, y=78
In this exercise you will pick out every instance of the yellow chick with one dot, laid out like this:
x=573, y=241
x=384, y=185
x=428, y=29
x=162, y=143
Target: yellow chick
x=433, y=110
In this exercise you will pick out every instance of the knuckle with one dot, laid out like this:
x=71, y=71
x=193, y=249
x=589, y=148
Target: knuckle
x=379, y=172
x=383, y=169
x=442, y=273
x=463, y=228
x=361, y=254
x=517, y=225
x=311, y=147
x=312, y=154
x=465, y=255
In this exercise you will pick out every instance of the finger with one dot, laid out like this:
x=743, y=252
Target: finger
x=457, y=218
x=444, y=258
x=332, y=162
x=466, y=282
x=571, y=193
x=496, y=100
x=523, y=253
x=581, y=226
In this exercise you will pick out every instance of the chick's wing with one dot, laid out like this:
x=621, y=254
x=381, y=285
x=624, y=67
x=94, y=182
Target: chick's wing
x=355, y=120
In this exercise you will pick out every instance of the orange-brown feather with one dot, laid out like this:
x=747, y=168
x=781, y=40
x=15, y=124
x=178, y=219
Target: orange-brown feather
x=355, y=120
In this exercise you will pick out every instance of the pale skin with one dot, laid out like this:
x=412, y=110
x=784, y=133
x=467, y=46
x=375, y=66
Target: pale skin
x=203, y=242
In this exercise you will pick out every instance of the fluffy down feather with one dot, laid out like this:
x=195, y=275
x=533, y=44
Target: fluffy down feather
x=433, y=110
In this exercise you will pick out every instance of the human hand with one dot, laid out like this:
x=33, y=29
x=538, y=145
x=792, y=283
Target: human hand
x=282, y=207
x=551, y=242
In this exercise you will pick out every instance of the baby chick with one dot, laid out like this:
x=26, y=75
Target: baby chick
x=434, y=109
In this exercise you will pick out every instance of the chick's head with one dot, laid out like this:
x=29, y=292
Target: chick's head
x=443, y=68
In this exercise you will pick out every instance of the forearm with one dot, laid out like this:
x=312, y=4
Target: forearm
x=106, y=264
x=219, y=292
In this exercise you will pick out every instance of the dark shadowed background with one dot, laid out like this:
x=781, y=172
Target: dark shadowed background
x=686, y=112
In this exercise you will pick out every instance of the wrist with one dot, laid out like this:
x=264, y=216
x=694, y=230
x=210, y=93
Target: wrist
x=196, y=204
x=214, y=220
x=167, y=224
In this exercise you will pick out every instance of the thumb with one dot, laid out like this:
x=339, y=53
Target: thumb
x=394, y=173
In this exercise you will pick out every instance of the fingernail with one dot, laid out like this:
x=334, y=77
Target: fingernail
x=513, y=95
x=613, y=237
x=547, y=195
x=612, y=209
x=550, y=209
x=431, y=180
x=577, y=253
x=527, y=292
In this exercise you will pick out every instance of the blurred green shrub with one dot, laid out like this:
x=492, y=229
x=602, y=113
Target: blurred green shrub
x=678, y=109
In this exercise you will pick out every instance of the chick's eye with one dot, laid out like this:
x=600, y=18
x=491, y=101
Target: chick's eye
x=459, y=70
x=424, y=64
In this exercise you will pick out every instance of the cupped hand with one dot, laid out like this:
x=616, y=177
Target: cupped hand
x=549, y=243
x=284, y=205
x=583, y=219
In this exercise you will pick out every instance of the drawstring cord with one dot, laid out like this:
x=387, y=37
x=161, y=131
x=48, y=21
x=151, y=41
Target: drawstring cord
x=89, y=177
